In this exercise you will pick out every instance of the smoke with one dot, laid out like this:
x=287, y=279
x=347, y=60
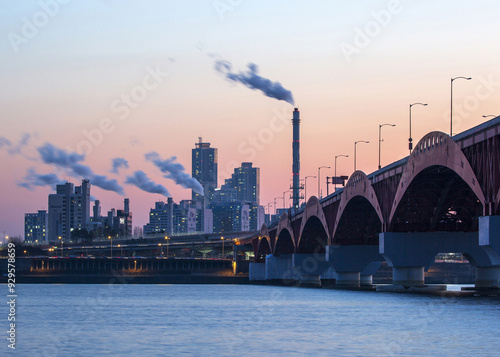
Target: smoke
x=71, y=161
x=32, y=179
x=118, y=163
x=15, y=149
x=142, y=181
x=252, y=80
x=174, y=171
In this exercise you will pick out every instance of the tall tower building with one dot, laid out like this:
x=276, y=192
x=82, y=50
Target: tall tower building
x=204, y=169
x=69, y=208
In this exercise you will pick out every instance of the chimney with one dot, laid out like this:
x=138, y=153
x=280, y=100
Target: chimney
x=296, y=159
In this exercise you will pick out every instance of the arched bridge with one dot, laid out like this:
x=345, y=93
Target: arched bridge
x=444, y=197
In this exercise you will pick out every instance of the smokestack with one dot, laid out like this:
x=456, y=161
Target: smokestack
x=296, y=159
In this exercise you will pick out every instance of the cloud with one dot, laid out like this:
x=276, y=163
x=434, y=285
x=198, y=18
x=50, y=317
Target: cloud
x=32, y=179
x=142, y=181
x=253, y=80
x=174, y=171
x=71, y=161
x=118, y=163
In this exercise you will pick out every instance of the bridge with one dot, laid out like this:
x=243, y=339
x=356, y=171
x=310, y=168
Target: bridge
x=443, y=198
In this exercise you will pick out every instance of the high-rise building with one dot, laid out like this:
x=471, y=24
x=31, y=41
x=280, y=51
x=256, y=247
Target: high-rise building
x=160, y=218
x=69, y=209
x=35, y=227
x=204, y=169
x=231, y=217
x=246, y=181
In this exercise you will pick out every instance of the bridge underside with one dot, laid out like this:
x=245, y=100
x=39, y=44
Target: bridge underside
x=359, y=224
x=437, y=200
x=284, y=244
x=314, y=237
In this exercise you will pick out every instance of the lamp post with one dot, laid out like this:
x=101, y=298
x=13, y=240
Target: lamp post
x=167, y=239
x=62, y=244
x=161, y=249
x=275, y=209
x=410, y=140
x=121, y=250
x=111, y=237
x=451, y=101
x=305, y=187
x=380, y=140
x=319, y=179
x=284, y=193
x=355, y=143
x=222, y=247
x=335, y=185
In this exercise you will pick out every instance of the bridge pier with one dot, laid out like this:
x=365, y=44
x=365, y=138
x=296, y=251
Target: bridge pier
x=309, y=268
x=280, y=269
x=354, y=264
x=257, y=271
x=410, y=254
x=489, y=240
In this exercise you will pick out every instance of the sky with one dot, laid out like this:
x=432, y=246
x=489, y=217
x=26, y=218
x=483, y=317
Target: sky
x=87, y=82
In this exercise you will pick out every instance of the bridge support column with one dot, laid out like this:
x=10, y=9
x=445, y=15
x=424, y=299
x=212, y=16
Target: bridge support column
x=354, y=264
x=310, y=267
x=280, y=269
x=410, y=254
x=489, y=241
x=257, y=272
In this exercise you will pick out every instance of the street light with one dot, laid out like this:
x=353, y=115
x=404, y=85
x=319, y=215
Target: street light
x=222, y=247
x=111, y=237
x=284, y=206
x=121, y=250
x=161, y=248
x=167, y=239
x=410, y=140
x=335, y=185
x=359, y=141
x=319, y=178
x=451, y=101
x=275, y=210
x=380, y=140
x=305, y=187
x=62, y=245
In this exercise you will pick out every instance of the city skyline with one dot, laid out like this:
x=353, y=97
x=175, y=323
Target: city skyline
x=80, y=79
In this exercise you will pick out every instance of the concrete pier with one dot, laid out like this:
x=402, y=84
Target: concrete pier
x=354, y=264
x=310, y=267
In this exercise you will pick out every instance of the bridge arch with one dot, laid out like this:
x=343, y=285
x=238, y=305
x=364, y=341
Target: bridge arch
x=263, y=245
x=359, y=219
x=285, y=241
x=313, y=235
x=436, y=182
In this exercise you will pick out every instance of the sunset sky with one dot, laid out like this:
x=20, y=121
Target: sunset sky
x=120, y=79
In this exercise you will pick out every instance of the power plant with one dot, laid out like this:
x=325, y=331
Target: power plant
x=296, y=186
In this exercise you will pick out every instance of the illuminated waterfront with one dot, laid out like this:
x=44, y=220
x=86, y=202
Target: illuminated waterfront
x=248, y=320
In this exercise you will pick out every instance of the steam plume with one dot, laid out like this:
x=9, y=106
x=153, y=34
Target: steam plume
x=32, y=178
x=253, y=80
x=174, y=171
x=142, y=181
x=118, y=163
x=71, y=161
